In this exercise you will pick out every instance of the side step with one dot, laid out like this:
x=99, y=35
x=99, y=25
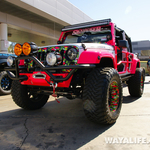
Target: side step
x=126, y=77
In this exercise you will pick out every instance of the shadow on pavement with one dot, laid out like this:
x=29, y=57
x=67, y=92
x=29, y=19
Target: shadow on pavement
x=129, y=99
x=55, y=126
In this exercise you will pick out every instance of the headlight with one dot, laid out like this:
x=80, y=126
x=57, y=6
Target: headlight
x=26, y=48
x=71, y=54
x=10, y=61
x=51, y=59
x=18, y=49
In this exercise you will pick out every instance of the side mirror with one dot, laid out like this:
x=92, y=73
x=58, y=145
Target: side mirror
x=59, y=42
x=123, y=43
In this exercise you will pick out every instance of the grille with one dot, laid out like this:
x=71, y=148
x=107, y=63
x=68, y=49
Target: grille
x=42, y=53
x=41, y=56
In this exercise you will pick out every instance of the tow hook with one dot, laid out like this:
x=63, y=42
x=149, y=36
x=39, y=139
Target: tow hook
x=54, y=85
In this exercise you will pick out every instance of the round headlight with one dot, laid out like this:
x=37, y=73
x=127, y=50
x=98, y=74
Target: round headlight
x=18, y=49
x=26, y=48
x=71, y=53
x=10, y=61
x=51, y=59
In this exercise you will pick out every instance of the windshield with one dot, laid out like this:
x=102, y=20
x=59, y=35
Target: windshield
x=98, y=35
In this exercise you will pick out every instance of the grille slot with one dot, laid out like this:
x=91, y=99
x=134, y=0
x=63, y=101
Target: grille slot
x=41, y=56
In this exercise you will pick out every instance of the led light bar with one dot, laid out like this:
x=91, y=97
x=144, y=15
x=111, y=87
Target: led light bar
x=87, y=24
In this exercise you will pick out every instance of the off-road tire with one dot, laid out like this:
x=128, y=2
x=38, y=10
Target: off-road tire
x=96, y=95
x=136, y=83
x=143, y=71
x=5, y=83
x=25, y=99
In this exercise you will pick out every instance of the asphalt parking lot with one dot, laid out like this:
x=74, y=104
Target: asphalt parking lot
x=64, y=126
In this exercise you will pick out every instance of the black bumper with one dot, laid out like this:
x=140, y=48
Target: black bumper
x=17, y=68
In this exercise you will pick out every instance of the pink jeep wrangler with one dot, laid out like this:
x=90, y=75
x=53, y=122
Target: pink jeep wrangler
x=90, y=61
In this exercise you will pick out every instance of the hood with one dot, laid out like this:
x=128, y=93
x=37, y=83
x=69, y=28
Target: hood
x=79, y=45
x=5, y=55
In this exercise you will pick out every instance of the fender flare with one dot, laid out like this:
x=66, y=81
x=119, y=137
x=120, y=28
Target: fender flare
x=94, y=57
x=135, y=64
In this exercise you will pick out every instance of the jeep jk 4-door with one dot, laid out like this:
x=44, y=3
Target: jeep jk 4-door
x=90, y=61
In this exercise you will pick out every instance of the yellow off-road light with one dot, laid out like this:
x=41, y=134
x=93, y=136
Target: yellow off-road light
x=18, y=49
x=26, y=48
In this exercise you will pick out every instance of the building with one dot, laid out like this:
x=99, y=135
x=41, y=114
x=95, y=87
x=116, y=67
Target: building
x=142, y=48
x=39, y=21
x=138, y=46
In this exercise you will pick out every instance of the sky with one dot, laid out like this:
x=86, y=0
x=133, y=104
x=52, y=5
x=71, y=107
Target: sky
x=133, y=16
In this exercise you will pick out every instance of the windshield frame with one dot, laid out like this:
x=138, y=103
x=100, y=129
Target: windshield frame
x=95, y=31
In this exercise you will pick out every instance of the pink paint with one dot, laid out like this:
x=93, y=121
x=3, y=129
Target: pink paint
x=21, y=62
x=93, y=57
x=42, y=82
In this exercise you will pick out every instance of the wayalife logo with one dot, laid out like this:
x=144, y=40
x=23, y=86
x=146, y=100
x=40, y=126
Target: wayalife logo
x=127, y=140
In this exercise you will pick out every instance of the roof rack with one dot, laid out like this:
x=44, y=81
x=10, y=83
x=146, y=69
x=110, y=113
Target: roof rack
x=87, y=24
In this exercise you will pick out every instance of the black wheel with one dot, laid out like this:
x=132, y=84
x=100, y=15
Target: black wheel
x=136, y=83
x=24, y=98
x=102, y=95
x=5, y=83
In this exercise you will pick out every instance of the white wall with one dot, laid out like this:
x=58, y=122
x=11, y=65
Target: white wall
x=56, y=10
x=61, y=12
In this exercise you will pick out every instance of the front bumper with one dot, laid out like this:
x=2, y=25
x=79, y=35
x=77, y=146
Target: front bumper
x=45, y=70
